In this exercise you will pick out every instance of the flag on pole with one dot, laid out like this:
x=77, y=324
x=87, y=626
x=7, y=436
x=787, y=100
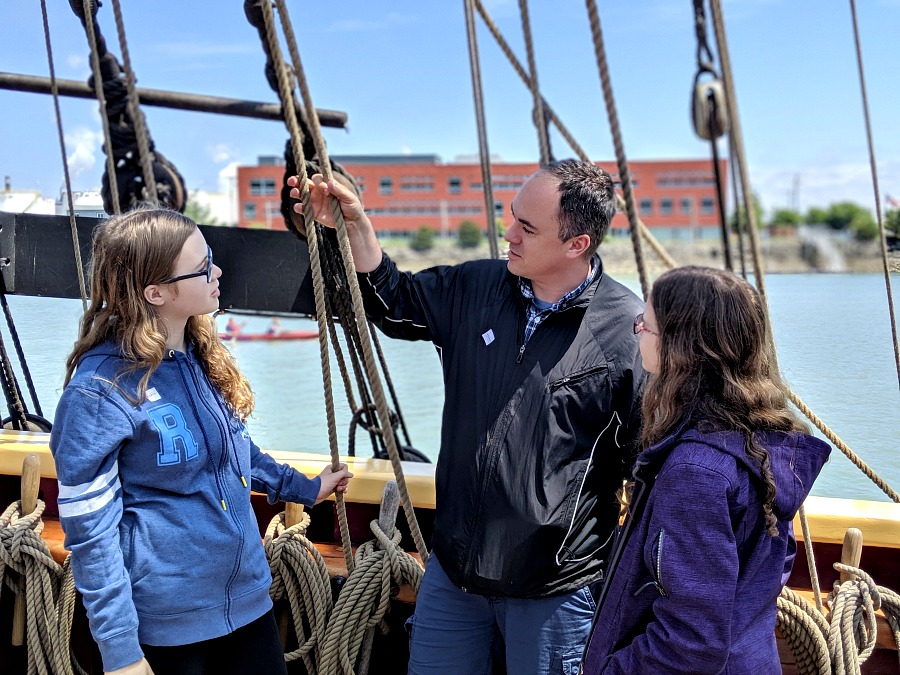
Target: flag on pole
x=893, y=203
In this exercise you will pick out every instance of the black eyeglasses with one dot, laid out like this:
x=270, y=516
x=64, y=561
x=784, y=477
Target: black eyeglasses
x=208, y=272
x=639, y=326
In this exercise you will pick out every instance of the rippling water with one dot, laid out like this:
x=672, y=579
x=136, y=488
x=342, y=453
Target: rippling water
x=832, y=331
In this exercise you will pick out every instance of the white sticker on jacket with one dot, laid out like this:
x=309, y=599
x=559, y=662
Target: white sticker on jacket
x=488, y=337
x=152, y=394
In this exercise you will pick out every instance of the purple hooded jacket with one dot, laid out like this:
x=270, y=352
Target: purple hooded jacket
x=694, y=578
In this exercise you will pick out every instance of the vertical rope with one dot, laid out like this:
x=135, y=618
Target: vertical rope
x=347, y=255
x=621, y=160
x=881, y=236
x=484, y=153
x=313, y=230
x=137, y=115
x=738, y=223
x=540, y=121
x=62, y=149
x=657, y=248
x=101, y=99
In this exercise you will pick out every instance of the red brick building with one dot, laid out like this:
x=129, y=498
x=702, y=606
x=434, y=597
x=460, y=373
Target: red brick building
x=401, y=193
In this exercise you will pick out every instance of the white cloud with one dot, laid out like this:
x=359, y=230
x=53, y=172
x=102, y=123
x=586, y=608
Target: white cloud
x=822, y=185
x=83, y=147
x=221, y=153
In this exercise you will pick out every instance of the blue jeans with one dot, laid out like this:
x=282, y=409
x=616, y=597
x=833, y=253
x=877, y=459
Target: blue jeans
x=452, y=631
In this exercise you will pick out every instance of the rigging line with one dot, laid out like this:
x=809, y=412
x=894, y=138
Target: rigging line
x=881, y=235
x=137, y=115
x=101, y=99
x=720, y=193
x=621, y=159
x=353, y=282
x=540, y=120
x=82, y=285
x=483, y=150
x=738, y=223
x=17, y=343
x=654, y=244
x=285, y=92
x=737, y=147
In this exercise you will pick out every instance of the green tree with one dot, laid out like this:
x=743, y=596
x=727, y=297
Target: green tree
x=815, y=216
x=757, y=211
x=786, y=218
x=200, y=214
x=423, y=239
x=864, y=227
x=469, y=234
x=892, y=221
x=841, y=214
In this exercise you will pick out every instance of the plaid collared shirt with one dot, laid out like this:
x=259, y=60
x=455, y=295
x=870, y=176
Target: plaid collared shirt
x=535, y=315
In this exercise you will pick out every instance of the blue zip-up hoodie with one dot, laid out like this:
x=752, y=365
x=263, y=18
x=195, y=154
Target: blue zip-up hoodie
x=695, y=574
x=154, y=500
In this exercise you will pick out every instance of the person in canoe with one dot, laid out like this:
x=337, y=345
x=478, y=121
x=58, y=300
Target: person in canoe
x=542, y=374
x=155, y=466
x=706, y=547
x=233, y=327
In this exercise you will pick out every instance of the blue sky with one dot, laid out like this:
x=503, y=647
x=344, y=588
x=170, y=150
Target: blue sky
x=400, y=70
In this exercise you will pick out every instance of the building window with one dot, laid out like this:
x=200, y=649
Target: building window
x=707, y=206
x=646, y=206
x=262, y=186
x=498, y=207
x=249, y=210
x=454, y=185
x=416, y=184
x=385, y=186
x=686, y=205
x=665, y=207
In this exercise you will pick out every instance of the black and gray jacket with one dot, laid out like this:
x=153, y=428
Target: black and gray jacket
x=536, y=438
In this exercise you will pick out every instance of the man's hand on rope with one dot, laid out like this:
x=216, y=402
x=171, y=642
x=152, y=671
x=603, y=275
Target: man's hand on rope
x=360, y=233
x=333, y=481
x=319, y=190
x=137, y=668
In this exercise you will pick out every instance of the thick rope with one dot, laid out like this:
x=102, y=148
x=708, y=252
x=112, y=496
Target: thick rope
x=365, y=599
x=804, y=629
x=540, y=120
x=881, y=235
x=840, y=445
x=853, y=629
x=82, y=286
x=621, y=159
x=484, y=153
x=299, y=573
x=137, y=115
x=651, y=240
x=811, y=558
x=346, y=254
x=287, y=103
x=49, y=590
x=101, y=99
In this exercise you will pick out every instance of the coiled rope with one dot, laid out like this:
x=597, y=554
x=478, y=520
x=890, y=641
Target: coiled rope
x=365, y=598
x=48, y=587
x=299, y=574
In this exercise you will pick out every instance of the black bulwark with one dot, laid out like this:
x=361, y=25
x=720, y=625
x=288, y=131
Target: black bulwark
x=263, y=270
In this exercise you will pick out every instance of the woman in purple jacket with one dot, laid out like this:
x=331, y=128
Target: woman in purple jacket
x=704, y=550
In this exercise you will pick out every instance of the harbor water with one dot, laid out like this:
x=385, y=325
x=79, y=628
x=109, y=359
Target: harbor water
x=832, y=332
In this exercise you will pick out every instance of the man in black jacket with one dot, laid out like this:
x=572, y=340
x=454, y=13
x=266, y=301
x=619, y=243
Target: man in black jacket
x=542, y=374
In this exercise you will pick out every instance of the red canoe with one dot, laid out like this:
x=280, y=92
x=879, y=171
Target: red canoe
x=281, y=335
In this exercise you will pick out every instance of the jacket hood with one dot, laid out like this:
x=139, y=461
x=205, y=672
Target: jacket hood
x=796, y=459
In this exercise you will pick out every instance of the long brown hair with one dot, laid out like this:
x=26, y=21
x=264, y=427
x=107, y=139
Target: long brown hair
x=130, y=252
x=715, y=365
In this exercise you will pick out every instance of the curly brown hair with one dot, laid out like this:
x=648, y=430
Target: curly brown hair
x=716, y=370
x=130, y=252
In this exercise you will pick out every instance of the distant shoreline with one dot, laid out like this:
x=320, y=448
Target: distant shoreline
x=781, y=255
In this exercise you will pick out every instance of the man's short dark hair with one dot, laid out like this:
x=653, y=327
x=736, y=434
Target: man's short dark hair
x=587, y=200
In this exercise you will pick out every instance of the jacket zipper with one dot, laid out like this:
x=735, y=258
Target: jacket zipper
x=217, y=471
x=570, y=379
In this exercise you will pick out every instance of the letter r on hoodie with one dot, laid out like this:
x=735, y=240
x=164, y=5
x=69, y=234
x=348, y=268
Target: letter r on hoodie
x=175, y=439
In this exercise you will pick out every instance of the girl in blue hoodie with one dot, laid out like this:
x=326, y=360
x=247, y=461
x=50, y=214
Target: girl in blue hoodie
x=155, y=466
x=703, y=552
